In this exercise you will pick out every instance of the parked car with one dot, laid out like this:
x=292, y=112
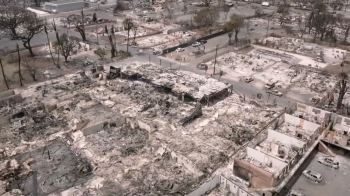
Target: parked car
x=196, y=44
x=295, y=193
x=203, y=41
x=202, y=66
x=179, y=50
x=249, y=79
x=329, y=162
x=314, y=176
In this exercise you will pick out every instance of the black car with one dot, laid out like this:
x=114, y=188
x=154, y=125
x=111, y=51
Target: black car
x=203, y=41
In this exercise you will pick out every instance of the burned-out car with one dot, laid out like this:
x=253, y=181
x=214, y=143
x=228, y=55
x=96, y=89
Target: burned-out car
x=314, y=176
x=329, y=162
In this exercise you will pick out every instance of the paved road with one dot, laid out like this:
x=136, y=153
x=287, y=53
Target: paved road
x=335, y=181
x=241, y=88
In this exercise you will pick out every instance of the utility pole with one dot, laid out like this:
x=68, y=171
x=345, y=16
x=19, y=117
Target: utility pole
x=97, y=33
x=19, y=65
x=3, y=75
x=35, y=183
x=216, y=54
x=268, y=24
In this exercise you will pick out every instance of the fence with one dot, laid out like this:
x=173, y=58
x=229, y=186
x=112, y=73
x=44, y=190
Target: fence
x=172, y=49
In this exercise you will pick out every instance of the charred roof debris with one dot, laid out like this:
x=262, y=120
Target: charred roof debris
x=137, y=128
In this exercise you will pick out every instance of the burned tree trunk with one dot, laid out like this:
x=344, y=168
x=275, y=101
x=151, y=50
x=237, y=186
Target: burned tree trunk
x=343, y=88
x=197, y=112
x=3, y=75
x=19, y=66
x=113, y=51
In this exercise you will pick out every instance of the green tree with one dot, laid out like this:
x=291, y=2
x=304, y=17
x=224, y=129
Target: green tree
x=66, y=45
x=206, y=17
x=235, y=24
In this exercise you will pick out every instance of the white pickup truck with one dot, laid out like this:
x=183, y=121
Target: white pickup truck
x=275, y=92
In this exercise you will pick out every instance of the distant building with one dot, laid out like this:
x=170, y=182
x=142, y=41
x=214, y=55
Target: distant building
x=63, y=6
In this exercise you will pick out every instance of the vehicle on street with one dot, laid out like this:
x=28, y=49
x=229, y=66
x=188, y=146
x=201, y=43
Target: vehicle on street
x=329, y=162
x=179, y=50
x=275, y=92
x=295, y=193
x=270, y=85
x=249, y=79
x=315, y=99
x=196, y=44
x=203, y=41
x=202, y=66
x=311, y=175
x=265, y=4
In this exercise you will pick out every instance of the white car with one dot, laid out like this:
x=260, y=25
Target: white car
x=329, y=162
x=196, y=44
x=249, y=79
x=277, y=93
x=316, y=177
x=179, y=50
x=295, y=193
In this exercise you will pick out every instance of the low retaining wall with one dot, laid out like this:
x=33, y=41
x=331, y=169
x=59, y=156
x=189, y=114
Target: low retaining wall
x=13, y=99
x=207, y=186
x=219, y=180
x=172, y=49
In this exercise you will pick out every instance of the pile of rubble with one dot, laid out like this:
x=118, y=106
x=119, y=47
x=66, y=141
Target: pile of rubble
x=180, y=82
x=242, y=65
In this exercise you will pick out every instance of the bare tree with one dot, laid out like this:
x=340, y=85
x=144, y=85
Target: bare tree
x=49, y=43
x=134, y=30
x=58, y=39
x=113, y=50
x=106, y=29
x=32, y=26
x=206, y=17
x=343, y=88
x=14, y=16
x=31, y=69
x=19, y=66
x=235, y=24
x=100, y=52
x=345, y=28
x=226, y=9
x=79, y=23
x=4, y=75
x=206, y=2
x=168, y=7
x=37, y=3
x=66, y=45
x=258, y=12
x=184, y=10
x=321, y=24
x=128, y=25
x=302, y=27
x=247, y=25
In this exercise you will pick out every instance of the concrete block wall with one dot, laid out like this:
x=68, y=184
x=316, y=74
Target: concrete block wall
x=233, y=187
x=7, y=94
x=222, y=181
x=13, y=99
x=265, y=158
x=207, y=186
x=93, y=129
x=259, y=178
x=284, y=139
x=187, y=163
x=311, y=110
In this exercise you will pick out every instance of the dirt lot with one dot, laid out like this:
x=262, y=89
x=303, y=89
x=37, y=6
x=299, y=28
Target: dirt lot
x=42, y=63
